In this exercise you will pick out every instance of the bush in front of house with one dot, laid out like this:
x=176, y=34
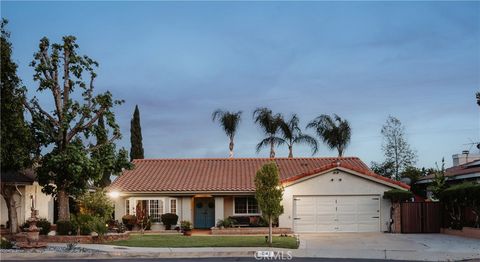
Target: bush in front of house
x=185, y=225
x=6, y=244
x=44, y=226
x=64, y=227
x=458, y=197
x=397, y=195
x=227, y=222
x=85, y=224
x=169, y=219
x=129, y=221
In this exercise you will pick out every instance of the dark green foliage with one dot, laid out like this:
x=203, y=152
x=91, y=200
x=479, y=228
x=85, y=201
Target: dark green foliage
x=129, y=221
x=65, y=228
x=397, y=195
x=269, y=193
x=96, y=204
x=5, y=244
x=169, y=219
x=439, y=181
x=457, y=197
x=87, y=224
x=44, y=226
x=109, y=161
x=185, y=225
x=385, y=169
x=334, y=131
x=136, y=150
x=227, y=222
x=17, y=140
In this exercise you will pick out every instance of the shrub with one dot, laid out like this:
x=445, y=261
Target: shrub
x=458, y=197
x=169, y=219
x=44, y=226
x=227, y=222
x=129, y=221
x=6, y=244
x=96, y=204
x=397, y=195
x=64, y=228
x=185, y=225
x=87, y=224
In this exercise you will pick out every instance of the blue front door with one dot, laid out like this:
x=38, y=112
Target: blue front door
x=204, y=212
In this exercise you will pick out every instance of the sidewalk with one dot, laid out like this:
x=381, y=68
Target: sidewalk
x=435, y=247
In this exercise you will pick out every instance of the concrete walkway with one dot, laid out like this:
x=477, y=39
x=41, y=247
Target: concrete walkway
x=427, y=247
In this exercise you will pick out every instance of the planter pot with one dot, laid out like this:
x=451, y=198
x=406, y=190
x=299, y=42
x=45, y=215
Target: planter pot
x=157, y=226
x=187, y=232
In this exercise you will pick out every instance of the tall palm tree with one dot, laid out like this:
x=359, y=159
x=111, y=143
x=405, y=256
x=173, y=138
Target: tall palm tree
x=270, y=124
x=334, y=131
x=229, y=122
x=292, y=134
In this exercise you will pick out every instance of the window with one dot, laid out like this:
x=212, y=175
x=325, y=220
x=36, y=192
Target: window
x=245, y=205
x=155, y=209
x=127, y=207
x=173, y=206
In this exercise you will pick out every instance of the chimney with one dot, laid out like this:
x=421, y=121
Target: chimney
x=464, y=157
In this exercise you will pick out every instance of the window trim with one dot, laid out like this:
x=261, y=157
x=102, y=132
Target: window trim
x=134, y=200
x=170, y=205
x=245, y=214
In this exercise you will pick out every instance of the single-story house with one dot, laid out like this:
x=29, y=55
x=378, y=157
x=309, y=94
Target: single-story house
x=27, y=189
x=320, y=194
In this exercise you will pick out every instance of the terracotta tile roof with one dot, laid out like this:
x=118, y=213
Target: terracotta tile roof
x=223, y=174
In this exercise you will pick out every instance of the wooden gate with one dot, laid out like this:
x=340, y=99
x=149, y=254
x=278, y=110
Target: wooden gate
x=421, y=217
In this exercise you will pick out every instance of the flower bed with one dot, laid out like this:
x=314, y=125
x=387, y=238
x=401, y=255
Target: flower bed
x=249, y=230
x=465, y=232
x=79, y=239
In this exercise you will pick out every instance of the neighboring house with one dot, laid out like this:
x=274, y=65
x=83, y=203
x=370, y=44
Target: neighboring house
x=27, y=187
x=466, y=169
x=321, y=194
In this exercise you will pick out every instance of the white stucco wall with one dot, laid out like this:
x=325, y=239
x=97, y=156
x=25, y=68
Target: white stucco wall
x=219, y=208
x=323, y=185
x=186, y=208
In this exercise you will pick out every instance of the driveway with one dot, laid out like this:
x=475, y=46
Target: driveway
x=433, y=247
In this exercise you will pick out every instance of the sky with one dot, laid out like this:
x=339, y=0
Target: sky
x=179, y=61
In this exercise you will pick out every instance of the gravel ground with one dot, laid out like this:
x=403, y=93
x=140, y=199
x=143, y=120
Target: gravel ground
x=51, y=250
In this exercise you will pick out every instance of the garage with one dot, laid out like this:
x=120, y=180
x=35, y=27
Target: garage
x=340, y=213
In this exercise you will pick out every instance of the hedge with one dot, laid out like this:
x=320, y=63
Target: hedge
x=397, y=195
x=458, y=197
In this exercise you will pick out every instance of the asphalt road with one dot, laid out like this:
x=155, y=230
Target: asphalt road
x=219, y=259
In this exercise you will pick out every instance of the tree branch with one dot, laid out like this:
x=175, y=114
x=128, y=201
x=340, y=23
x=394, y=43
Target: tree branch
x=115, y=137
x=79, y=126
x=45, y=113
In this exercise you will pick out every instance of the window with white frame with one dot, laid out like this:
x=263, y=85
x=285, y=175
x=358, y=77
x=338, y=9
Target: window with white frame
x=127, y=207
x=246, y=205
x=155, y=209
x=173, y=206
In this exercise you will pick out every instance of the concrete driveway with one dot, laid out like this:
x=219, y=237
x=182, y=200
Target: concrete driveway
x=432, y=247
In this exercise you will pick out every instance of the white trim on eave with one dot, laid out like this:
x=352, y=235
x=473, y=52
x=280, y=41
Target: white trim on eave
x=346, y=170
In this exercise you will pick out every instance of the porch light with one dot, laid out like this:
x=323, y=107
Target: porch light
x=113, y=194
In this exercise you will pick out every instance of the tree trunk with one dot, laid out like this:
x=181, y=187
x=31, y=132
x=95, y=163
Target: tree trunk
x=270, y=231
x=272, y=149
x=290, y=151
x=340, y=152
x=231, y=147
x=8, y=193
x=63, y=205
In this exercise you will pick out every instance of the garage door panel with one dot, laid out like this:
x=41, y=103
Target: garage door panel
x=337, y=214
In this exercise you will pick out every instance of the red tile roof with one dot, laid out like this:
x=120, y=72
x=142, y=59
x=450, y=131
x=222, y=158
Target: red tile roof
x=472, y=167
x=224, y=174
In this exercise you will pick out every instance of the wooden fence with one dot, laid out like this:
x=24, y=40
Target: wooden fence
x=421, y=217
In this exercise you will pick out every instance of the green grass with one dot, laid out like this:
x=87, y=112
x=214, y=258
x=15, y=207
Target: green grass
x=204, y=241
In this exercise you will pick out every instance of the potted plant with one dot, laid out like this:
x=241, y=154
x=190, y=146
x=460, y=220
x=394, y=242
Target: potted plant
x=186, y=227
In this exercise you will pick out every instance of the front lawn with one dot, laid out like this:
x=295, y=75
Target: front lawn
x=204, y=241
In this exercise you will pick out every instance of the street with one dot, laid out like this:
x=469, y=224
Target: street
x=218, y=259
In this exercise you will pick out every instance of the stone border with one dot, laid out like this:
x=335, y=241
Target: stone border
x=80, y=239
x=249, y=231
x=470, y=232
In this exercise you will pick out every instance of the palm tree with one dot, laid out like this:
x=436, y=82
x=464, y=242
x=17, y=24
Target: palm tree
x=292, y=134
x=229, y=122
x=270, y=124
x=334, y=131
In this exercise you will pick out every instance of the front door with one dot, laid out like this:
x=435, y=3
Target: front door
x=204, y=212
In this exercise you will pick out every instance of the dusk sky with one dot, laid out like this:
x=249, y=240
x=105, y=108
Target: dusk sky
x=179, y=61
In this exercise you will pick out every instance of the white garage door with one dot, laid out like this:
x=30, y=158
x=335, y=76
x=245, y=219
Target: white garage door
x=336, y=214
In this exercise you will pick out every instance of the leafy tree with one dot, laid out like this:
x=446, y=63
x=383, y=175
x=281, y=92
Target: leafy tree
x=385, y=169
x=292, y=134
x=269, y=193
x=270, y=124
x=16, y=137
x=334, y=131
x=96, y=204
x=439, y=181
x=396, y=148
x=229, y=122
x=136, y=151
x=109, y=161
x=67, y=167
